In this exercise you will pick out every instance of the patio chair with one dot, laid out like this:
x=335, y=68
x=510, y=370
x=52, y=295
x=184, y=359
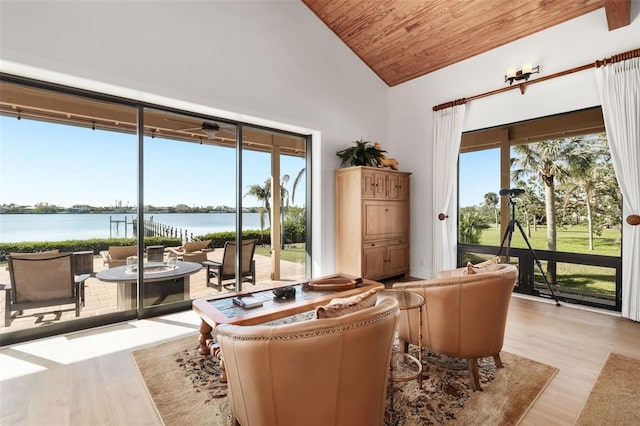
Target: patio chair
x=41, y=279
x=191, y=251
x=227, y=269
x=117, y=255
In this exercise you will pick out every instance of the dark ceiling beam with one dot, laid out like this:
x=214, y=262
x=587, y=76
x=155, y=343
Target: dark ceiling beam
x=618, y=13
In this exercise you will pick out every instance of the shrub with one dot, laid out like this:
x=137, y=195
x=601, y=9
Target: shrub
x=96, y=245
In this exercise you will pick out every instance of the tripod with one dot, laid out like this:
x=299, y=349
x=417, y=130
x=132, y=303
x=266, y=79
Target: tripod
x=508, y=234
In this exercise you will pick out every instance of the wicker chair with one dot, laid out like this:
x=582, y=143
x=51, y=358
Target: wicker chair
x=191, y=251
x=117, y=255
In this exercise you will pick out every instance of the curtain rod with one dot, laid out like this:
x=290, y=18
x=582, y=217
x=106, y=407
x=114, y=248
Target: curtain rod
x=615, y=58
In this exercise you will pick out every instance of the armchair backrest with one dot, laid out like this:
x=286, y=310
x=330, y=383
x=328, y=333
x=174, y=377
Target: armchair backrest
x=122, y=252
x=321, y=372
x=229, y=256
x=37, y=277
x=192, y=246
x=463, y=315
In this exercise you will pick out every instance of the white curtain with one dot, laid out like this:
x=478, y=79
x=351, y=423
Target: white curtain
x=447, y=131
x=619, y=85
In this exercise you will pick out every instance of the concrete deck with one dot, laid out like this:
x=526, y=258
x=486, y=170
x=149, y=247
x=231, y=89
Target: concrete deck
x=101, y=297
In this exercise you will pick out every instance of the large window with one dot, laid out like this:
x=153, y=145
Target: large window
x=123, y=186
x=549, y=198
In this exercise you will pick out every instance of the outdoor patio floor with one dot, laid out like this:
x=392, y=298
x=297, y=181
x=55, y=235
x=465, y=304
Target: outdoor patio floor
x=101, y=297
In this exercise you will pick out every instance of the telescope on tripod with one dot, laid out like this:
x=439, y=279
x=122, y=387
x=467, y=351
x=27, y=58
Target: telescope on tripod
x=508, y=234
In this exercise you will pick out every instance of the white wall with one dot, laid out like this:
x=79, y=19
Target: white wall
x=578, y=42
x=271, y=60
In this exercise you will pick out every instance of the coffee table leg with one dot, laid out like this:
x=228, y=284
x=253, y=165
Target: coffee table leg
x=223, y=371
x=205, y=334
x=204, y=349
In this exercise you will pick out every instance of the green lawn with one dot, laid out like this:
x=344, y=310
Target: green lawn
x=291, y=253
x=572, y=278
x=569, y=239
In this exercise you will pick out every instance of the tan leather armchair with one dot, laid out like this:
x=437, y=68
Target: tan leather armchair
x=463, y=315
x=320, y=372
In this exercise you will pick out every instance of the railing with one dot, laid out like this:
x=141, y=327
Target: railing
x=156, y=229
x=528, y=271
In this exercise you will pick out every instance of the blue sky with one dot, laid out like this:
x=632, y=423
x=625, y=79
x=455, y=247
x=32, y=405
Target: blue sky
x=66, y=165
x=479, y=174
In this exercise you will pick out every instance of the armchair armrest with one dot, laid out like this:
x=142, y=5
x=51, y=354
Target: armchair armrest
x=178, y=251
x=105, y=257
x=80, y=279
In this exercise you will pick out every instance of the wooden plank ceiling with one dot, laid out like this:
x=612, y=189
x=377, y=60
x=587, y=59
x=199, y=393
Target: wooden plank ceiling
x=404, y=39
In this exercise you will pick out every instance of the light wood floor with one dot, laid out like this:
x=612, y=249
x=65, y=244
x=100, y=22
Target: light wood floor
x=89, y=378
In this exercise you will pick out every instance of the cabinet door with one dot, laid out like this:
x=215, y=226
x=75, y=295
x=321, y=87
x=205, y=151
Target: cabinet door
x=397, y=259
x=373, y=256
x=373, y=184
x=385, y=219
x=398, y=186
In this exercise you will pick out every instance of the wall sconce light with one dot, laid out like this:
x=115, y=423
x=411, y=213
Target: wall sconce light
x=523, y=74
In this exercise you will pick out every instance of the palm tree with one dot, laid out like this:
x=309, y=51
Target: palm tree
x=551, y=161
x=284, y=206
x=585, y=184
x=491, y=200
x=588, y=180
x=262, y=193
x=471, y=226
x=296, y=181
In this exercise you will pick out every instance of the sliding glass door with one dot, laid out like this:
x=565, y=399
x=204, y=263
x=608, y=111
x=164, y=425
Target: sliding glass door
x=69, y=185
x=147, y=201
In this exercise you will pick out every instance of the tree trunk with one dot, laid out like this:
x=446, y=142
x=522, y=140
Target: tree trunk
x=590, y=224
x=551, y=226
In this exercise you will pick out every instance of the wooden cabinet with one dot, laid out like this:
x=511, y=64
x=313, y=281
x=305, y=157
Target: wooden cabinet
x=372, y=222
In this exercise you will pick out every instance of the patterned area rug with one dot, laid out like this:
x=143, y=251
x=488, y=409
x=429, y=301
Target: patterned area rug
x=185, y=390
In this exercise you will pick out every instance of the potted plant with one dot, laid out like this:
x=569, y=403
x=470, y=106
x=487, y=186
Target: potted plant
x=363, y=153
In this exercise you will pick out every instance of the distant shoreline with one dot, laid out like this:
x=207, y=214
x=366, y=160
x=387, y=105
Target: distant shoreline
x=62, y=226
x=158, y=211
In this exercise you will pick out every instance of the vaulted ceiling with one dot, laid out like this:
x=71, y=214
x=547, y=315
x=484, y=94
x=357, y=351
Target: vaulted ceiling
x=404, y=39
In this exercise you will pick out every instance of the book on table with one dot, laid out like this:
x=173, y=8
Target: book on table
x=250, y=301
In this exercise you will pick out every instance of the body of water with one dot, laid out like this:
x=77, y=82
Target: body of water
x=60, y=227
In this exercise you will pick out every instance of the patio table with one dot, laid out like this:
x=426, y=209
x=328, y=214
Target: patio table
x=161, y=280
